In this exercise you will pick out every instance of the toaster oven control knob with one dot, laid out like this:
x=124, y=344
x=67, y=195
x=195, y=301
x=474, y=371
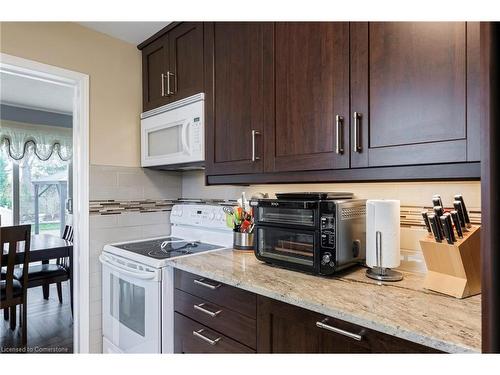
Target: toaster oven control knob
x=326, y=258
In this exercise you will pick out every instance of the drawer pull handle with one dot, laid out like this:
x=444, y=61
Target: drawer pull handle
x=202, y=282
x=205, y=338
x=200, y=307
x=339, y=331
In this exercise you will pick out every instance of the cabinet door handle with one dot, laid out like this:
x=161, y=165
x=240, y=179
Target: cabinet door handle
x=212, y=314
x=328, y=327
x=205, y=338
x=254, y=133
x=163, y=85
x=202, y=282
x=170, y=74
x=356, y=116
x=339, y=122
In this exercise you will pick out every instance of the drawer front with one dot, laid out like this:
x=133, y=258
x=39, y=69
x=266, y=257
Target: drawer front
x=193, y=337
x=284, y=328
x=231, y=323
x=221, y=294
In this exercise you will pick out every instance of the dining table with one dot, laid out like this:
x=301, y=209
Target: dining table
x=45, y=247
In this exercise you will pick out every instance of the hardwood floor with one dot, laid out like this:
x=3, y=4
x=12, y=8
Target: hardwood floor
x=50, y=325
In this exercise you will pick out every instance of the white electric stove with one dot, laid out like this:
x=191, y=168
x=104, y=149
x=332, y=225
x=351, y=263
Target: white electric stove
x=137, y=283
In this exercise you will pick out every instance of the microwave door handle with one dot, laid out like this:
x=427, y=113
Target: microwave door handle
x=138, y=275
x=185, y=146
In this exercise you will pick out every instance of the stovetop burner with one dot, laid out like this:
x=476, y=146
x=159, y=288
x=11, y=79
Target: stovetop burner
x=167, y=247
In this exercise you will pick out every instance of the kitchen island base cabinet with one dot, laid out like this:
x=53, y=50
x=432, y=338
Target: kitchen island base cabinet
x=283, y=328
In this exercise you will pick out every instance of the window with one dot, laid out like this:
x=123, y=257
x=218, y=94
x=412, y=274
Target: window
x=34, y=192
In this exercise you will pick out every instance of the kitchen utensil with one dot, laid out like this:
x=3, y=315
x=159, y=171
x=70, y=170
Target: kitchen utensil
x=459, y=208
x=436, y=200
x=459, y=198
x=435, y=228
x=449, y=224
x=446, y=230
x=456, y=221
x=426, y=221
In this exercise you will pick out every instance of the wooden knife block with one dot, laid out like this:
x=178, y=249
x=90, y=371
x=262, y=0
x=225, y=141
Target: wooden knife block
x=455, y=269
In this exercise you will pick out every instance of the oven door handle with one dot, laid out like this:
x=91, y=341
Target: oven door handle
x=127, y=271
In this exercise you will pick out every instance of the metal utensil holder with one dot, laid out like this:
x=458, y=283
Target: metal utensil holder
x=243, y=241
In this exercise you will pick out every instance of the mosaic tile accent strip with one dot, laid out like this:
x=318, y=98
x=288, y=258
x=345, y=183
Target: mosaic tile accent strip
x=116, y=207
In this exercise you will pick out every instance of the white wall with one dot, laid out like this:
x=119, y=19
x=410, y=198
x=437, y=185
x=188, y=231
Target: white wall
x=409, y=193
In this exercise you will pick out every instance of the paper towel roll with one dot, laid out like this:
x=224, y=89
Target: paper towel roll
x=383, y=216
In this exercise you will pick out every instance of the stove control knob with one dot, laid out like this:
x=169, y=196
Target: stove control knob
x=211, y=216
x=219, y=217
x=326, y=258
x=179, y=212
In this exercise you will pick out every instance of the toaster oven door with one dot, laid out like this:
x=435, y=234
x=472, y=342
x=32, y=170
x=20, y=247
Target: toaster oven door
x=301, y=214
x=286, y=247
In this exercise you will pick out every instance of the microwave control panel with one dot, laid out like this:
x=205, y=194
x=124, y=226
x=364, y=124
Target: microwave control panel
x=196, y=134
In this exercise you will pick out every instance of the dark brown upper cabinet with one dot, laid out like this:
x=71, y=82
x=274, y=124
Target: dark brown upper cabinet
x=414, y=93
x=186, y=60
x=239, y=95
x=172, y=65
x=311, y=127
x=155, y=65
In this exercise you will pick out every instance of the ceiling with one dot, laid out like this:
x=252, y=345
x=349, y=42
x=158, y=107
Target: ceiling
x=20, y=91
x=132, y=32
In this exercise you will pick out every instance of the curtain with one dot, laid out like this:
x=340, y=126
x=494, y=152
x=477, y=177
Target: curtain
x=19, y=141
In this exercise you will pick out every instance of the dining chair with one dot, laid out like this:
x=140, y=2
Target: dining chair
x=13, y=291
x=47, y=273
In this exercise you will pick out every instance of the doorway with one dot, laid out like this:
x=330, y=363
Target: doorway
x=44, y=182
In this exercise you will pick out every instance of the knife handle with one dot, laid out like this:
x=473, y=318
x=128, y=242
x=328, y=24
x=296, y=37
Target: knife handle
x=425, y=215
x=459, y=208
x=460, y=198
x=456, y=221
x=444, y=224
x=438, y=211
x=450, y=226
x=436, y=200
x=435, y=228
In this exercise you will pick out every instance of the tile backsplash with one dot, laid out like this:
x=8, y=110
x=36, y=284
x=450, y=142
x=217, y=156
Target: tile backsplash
x=134, y=203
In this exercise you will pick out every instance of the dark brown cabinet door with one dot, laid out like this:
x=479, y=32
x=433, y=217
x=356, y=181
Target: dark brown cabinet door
x=283, y=328
x=409, y=93
x=154, y=73
x=186, y=60
x=239, y=95
x=311, y=128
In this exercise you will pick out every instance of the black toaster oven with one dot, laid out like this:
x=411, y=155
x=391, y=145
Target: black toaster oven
x=319, y=236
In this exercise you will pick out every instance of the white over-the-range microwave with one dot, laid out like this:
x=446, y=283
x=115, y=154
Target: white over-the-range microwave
x=172, y=136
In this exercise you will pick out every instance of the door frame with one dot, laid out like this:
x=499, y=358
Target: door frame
x=80, y=84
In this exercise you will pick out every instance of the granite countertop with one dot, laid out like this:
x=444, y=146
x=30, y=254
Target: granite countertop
x=403, y=309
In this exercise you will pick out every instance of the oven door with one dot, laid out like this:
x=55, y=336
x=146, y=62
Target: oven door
x=287, y=247
x=131, y=305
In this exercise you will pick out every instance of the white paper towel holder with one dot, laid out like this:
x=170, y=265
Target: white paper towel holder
x=378, y=272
